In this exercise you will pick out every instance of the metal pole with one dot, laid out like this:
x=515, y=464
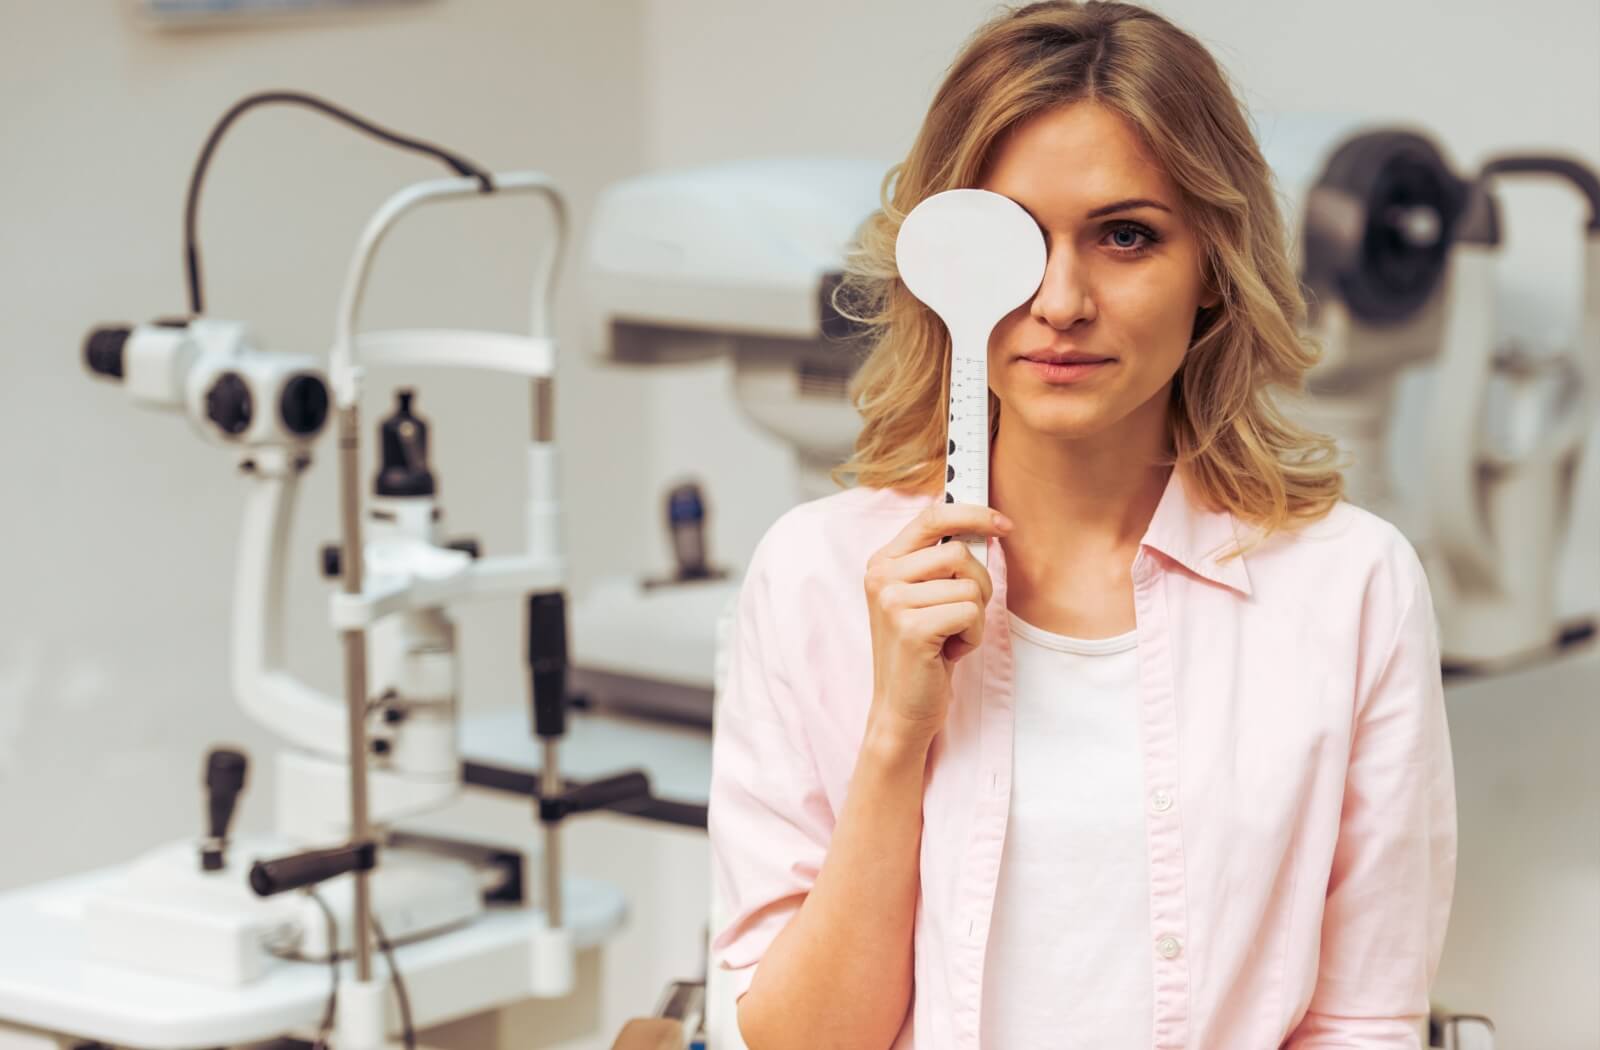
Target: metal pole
x=550, y=773
x=355, y=675
x=550, y=787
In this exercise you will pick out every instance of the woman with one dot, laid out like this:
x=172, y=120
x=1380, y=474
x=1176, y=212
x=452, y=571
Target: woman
x=1173, y=771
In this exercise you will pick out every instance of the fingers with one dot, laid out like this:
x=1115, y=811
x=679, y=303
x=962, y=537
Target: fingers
x=949, y=561
x=933, y=624
x=946, y=519
x=903, y=595
x=942, y=562
x=932, y=595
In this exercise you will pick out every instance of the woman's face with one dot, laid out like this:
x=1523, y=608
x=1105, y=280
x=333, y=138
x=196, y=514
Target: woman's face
x=1122, y=280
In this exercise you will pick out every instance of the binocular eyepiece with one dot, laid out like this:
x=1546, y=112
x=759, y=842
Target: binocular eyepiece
x=209, y=370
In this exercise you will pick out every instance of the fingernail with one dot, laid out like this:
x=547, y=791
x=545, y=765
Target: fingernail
x=1003, y=522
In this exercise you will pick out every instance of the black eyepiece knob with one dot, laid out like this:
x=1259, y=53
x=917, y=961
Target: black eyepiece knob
x=304, y=404
x=228, y=404
x=102, y=351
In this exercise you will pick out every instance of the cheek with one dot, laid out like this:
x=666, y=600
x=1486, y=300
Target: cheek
x=1004, y=339
x=1148, y=303
x=1015, y=333
x=1153, y=324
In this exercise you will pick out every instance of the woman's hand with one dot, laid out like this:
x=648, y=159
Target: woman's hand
x=926, y=602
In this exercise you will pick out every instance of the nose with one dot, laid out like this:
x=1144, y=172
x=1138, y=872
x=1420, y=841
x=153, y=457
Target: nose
x=1063, y=298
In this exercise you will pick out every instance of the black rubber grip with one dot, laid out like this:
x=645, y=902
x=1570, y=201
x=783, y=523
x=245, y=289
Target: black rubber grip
x=225, y=778
x=269, y=877
x=547, y=662
x=622, y=789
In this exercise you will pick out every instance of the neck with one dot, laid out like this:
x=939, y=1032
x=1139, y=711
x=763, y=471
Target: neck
x=1076, y=498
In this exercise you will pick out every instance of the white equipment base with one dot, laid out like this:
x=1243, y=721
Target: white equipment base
x=49, y=979
x=212, y=928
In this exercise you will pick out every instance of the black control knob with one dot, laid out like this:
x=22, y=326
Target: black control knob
x=228, y=403
x=332, y=555
x=226, y=770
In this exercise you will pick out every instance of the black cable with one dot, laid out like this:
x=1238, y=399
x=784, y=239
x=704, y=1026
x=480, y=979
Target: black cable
x=333, y=964
x=191, y=206
x=408, y=1032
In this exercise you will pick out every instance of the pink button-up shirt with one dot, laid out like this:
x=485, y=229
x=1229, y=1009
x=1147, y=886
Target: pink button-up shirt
x=1300, y=800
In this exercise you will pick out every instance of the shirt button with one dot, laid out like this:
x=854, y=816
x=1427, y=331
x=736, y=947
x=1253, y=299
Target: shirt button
x=1169, y=947
x=1161, y=801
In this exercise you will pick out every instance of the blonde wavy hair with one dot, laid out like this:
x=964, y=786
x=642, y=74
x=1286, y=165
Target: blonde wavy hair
x=1239, y=450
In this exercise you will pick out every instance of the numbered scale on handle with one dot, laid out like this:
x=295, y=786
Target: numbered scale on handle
x=971, y=256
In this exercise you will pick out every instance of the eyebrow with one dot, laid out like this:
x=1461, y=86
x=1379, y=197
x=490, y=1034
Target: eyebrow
x=1127, y=205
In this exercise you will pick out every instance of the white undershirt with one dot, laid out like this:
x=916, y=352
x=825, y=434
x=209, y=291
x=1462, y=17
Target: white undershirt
x=1071, y=966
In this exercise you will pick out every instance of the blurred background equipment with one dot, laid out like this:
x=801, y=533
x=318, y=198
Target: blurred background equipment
x=1506, y=434
x=238, y=952
x=1372, y=215
x=738, y=260
x=1398, y=256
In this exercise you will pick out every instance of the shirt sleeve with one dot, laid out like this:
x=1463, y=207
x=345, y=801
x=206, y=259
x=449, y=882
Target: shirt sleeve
x=1393, y=872
x=769, y=817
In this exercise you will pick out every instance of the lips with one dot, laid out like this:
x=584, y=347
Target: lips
x=1073, y=357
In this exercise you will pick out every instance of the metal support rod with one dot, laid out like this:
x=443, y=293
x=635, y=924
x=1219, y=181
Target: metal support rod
x=550, y=787
x=543, y=411
x=355, y=675
x=544, y=414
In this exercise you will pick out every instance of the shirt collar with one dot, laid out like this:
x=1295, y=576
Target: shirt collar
x=1182, y=528
x=1195, y=536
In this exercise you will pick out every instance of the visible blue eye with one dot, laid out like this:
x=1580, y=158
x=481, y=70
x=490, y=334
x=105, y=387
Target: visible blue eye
x=1134, y=230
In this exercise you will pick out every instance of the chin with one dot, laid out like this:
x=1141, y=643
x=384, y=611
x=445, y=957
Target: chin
x=1082, y=418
